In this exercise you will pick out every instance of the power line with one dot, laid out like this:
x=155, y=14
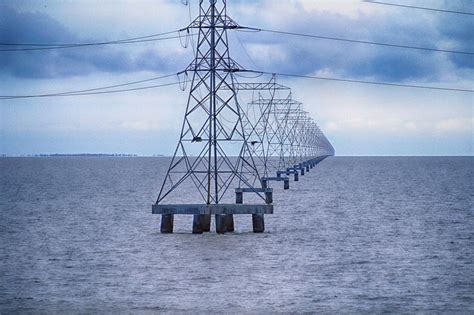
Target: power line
x=88, y=45
x=360, y=41
x=40, y=46
x=365, y=82
x=94, y=91
x=69, y=44
x=416, y=7
x=245, y=51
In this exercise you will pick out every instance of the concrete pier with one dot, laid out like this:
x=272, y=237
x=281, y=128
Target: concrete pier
x=296, y=176
x=278, y=178
x=224, y=214
x=229, y=222
x=307, y=167
x=198, y=224
x=221, y=223
x=258, y=223
x=302, y=171
x=239, y=197
x=222, y=208
x=167, y=223
x=206, y=222
x=269, y=196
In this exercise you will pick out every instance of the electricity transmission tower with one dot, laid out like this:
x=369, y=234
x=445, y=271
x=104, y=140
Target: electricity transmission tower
x=226, y=149
x=212, y=155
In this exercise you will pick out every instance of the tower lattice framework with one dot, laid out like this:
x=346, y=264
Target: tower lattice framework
x=212, y=154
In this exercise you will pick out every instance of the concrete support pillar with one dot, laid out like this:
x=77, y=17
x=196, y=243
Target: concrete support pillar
x=198, y=224
x=258, y=223
x=296, y=176
x=278, y=175
x=287, y=171
x=167, y=223
x=229, y=219
x=206, y=222
x=239, y=197
x=269, y=197
x=302, y=170
x=221, y=226
x=264, y=183
x=307, y=167
x=286, y=183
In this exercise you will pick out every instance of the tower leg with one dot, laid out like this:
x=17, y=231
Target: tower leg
x=286, y=183
x=302, y=171
x=239, y=197
x=167, y=223
x=197, y=224
x=221, y=226
x=269, y=197
x=296, y=176
x=229, y=218
x=258, y=223
x=206, y=222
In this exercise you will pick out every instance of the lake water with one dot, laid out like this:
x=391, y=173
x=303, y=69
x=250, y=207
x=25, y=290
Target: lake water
x=355, y=234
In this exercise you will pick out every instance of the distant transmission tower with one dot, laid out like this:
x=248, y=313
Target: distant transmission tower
x=212, y=156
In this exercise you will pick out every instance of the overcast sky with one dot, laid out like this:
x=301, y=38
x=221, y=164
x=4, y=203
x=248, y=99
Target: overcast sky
x=358, y=119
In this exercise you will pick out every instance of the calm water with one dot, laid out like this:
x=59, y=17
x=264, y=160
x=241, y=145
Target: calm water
x=353, y=235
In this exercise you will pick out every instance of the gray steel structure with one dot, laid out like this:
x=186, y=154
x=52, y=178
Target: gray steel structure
x=212, y=129
x=284, y=137
x=226, y=149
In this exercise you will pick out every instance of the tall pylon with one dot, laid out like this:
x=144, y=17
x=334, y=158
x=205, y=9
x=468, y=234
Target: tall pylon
x=213, y=120
x=212, y=154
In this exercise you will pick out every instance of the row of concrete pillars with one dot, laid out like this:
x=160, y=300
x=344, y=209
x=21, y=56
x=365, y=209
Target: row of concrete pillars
x=202, y=223
x=225, y=222
x=302, y=167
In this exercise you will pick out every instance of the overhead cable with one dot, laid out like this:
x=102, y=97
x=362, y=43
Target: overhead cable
x=45, y=46
x=416, y=7
x=360, y=41
x=98, y=90
x=366, y=82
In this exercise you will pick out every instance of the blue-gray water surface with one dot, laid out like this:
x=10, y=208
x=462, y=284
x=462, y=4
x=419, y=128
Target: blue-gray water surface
x=355, y=234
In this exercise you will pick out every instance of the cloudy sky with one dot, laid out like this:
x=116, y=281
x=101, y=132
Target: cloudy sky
x=358, y=119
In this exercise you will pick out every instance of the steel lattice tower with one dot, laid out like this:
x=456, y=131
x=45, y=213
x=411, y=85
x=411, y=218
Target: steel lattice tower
x=226, y=150
x=212, y=118
x=212, y=154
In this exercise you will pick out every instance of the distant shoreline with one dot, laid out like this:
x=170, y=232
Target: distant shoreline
x=83, y=155
x=161, y=155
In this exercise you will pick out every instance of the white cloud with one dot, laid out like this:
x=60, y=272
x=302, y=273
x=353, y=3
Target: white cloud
x=266, y=53
x=350, y=8
x=455, y=125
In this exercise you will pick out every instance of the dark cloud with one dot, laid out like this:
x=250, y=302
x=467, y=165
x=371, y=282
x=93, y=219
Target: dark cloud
x=459, y=32
x=303, y=55
x=25, y=27
x=404, y=27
